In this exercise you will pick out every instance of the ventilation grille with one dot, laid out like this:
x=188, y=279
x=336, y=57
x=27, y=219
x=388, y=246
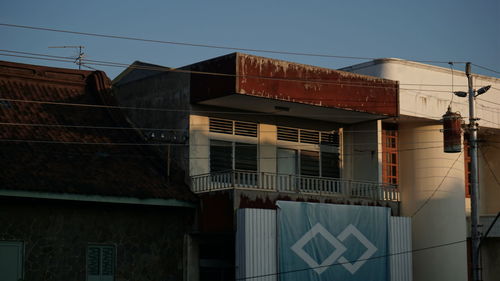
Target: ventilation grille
x=221, y=126
x=309, y=136
x=245, y=129
x=331, y=139
x=230, y=127
x=288, y=134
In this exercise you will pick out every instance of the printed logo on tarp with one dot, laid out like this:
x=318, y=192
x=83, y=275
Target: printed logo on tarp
x=336, y=256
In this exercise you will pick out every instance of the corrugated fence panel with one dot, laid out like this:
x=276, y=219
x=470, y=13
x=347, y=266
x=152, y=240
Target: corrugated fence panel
x=400, y=249
x=256, y=244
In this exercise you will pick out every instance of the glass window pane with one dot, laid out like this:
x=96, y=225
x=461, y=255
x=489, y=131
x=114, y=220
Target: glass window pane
x=309, y=163
x=245, y=156
x=221, y=156
x=330, y=165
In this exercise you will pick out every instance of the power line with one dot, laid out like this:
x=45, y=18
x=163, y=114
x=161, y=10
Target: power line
x=111, y=36
x=351, y=261
x=489, y=167
x=486, y=68
x=437, y=187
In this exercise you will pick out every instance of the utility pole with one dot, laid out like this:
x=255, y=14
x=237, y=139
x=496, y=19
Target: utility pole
x=474, y=196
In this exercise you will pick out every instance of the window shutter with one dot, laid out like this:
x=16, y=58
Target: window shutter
x=245, y=129
x=221, y=126
x=330, y=165
x=288, y=134
x=309, y=163
x=307, y=136
x=93, y=263
x=221, y=155
x=245, y=156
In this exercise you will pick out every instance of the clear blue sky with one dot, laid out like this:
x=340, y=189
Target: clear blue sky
x=444, y=30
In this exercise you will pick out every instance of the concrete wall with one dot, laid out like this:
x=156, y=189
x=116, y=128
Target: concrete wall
x=149, y=241
x=433, y=195
x=489, y=174
x=362, y=151
x=162, y=106
x=425, y=90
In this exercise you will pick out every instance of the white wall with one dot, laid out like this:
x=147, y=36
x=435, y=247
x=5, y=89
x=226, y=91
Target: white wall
x=425, y=90
x=433, y=194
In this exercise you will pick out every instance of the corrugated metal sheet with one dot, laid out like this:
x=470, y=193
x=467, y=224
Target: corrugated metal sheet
x=400, y=249
x=256, y=252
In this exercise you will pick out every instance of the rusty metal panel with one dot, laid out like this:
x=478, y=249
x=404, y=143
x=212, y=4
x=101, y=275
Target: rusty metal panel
x=281, y=80
x=256, y=252
x=400, y=249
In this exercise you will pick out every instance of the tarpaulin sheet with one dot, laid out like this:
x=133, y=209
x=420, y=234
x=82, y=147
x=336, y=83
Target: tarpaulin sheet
x=332, y=242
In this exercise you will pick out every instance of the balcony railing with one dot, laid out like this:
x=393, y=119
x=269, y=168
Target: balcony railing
x=293, y=184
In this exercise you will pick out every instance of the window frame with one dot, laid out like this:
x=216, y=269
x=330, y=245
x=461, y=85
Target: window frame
x=100, y=246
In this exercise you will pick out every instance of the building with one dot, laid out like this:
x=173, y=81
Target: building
x=424, y=95
x=82, y=196
x=255, y=133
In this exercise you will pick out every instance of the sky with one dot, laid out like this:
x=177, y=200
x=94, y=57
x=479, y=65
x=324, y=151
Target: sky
x=424, y=30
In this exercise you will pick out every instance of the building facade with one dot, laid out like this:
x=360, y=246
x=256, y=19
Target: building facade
x=252, y=131
x=427, y=172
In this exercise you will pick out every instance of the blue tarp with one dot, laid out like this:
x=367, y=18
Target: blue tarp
x=332, y=242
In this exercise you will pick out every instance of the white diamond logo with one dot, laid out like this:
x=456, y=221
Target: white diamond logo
x=370, y=248
x=298, y=248
x=319, y=268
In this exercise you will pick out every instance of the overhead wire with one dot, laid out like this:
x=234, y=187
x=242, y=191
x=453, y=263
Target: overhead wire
x=437, y=187
x=112, y=36
x=351, y=261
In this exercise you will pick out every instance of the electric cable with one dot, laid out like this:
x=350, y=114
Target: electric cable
x=111, y=36
x=437, y=187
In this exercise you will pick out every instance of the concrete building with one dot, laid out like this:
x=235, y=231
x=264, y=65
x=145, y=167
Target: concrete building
x=251, y=132
x=439, y=181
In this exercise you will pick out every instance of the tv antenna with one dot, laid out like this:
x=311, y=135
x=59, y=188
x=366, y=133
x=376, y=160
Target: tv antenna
x=79, y=58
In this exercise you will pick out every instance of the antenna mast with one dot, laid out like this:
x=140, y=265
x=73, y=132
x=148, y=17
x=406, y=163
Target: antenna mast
x=79, y=58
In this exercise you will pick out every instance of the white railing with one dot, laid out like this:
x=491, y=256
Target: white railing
x=293, y=183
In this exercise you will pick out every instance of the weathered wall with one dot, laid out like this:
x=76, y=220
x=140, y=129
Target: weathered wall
x=149, y=240
x=160, y=104
x=431, y=183
x=265, y=77
x=362, y=151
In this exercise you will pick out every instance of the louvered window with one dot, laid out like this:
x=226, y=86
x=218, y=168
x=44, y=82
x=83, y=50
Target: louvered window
x=245, y=156
x=230, y=127
x=307, y=136
x=245, y=129
x=331, y=139
x=221, y=126
x=309, y=163
x=330, y=165
x=221, y=156
x=288, y=134
x=100, y=263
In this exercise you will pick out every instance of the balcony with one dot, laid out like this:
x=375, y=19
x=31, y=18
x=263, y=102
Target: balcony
x=262, y=181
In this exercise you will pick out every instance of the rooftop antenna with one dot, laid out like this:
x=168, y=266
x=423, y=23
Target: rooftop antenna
x=79, y=58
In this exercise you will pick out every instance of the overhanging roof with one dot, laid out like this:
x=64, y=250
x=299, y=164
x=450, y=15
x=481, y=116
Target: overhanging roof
x=260, y=84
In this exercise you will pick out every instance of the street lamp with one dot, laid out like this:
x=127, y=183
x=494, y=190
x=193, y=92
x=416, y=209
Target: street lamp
x=472, y=128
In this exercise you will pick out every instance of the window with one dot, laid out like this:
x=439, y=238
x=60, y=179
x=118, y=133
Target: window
x=222, y=159
x=11, y=260
x=390, y=154
x=100, y=262
x=229, y=127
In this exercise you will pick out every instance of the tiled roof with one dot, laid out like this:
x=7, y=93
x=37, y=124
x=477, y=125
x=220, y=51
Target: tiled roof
x=72, y=149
